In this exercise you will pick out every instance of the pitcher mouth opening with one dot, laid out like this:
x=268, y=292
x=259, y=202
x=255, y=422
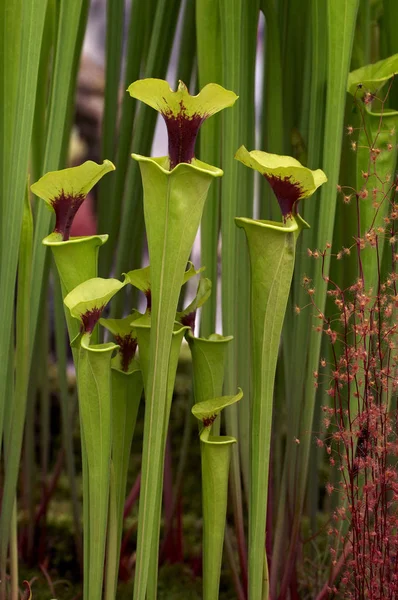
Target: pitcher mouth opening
x=163, y=164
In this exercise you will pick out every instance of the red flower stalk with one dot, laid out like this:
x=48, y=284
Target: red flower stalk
x=360, y=421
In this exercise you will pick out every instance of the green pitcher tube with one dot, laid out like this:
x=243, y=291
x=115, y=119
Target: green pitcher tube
x=208, y=362
x=76, y=261
x=64, y=191
x=272, y=247
x=175, y=190
x=85, y=303
x=215, y=454
x=376, y=155
x=272, y=254
x=143, y=329
x=127, y=390
x=94, y=389
x=173, y=205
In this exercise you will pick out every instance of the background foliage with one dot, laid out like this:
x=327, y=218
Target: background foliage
x=288, y=60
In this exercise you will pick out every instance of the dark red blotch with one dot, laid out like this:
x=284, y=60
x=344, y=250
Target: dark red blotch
x=90, y=319
x=189, y=320
x=209, y=420
x=65, y=207
x=128, y=347
x=182, y=131
x=287, y=193
x=148, y=296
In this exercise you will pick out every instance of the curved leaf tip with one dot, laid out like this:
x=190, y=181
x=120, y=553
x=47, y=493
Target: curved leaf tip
x=366, y=81
x=208, y=410
x=289, y=179
x=183, y=113
x=141, y=279
x=188, y=315
x=87, y=301
x=64, y=191
x=125, y=337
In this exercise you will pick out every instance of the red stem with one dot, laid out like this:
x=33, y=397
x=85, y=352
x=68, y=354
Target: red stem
x=132, y=497
x=324, y=593
x=51, y=488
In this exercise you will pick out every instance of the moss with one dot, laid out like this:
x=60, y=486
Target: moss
x=56, y=537
x=176, y=582
x=315, y=560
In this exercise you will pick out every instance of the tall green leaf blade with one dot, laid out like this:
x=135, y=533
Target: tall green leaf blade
x=389, y=39
x=250, y=16
x=32, y=29
x=272, y=125
x=114, y=47
x=132, y=220
x=136, y=54
x=390, y=19
x=341, y=26
x=10, y=37
x=294, y=22
x=231, y=19
x=44, y=75
x=209, y=71
x=10, y=48
x=187, y=49
x=299, y=326
x=231, y=46
x=14, y=435
x=68, y=37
